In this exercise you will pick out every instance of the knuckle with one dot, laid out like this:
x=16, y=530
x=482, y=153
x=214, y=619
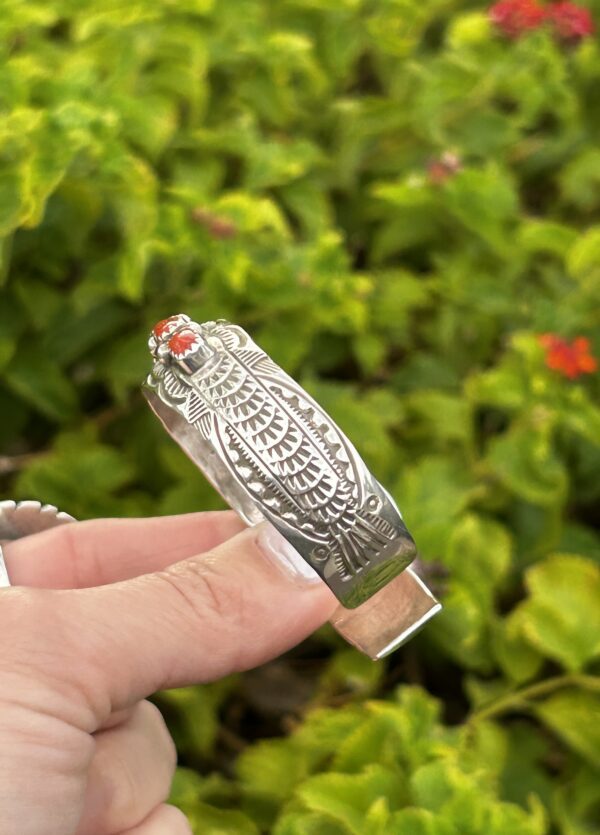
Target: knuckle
x=76, y=542
x=206, y=593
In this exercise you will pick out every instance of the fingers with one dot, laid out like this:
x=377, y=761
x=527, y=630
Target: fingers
x=130, y=774
x=103, y=551
x=227, y=610
x=166, y=820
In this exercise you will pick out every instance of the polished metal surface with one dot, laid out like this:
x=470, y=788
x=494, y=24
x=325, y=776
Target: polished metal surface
x=19, y=519
x=274, y=454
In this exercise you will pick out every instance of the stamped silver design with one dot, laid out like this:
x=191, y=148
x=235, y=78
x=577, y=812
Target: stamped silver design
x=18, y=519
x=274, y=454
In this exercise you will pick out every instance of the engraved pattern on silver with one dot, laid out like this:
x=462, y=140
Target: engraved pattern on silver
x=274, y=454
x=18, y=519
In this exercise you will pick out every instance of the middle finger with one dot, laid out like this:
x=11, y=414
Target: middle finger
x=131, y=772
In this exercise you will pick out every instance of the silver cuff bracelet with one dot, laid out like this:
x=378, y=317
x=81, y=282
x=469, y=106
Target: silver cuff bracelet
x=18, y=519
x=274, y=454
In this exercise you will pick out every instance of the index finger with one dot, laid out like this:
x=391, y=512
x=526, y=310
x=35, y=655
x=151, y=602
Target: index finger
x=83, y=554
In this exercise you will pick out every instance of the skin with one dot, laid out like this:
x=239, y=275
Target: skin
x=101, y=615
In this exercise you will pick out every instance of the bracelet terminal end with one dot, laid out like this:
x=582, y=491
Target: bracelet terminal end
x=389, y=618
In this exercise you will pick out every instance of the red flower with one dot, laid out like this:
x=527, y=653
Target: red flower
x=571, y=23
x=515, y=17
x=569, y=359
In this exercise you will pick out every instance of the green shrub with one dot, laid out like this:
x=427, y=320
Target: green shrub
x=397, y=201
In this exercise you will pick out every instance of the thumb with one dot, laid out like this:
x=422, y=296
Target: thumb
x=226, y=610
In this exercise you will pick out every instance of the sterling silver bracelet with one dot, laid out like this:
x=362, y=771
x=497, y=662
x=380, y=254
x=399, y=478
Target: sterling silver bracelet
x=18, y=519
x=274, y=454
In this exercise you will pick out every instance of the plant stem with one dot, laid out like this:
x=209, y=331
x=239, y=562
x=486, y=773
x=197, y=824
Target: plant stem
x=521, y=698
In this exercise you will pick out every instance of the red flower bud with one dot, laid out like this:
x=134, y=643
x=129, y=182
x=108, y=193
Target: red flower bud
x=441, y=169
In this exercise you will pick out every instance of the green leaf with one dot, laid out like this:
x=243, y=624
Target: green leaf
x=574, y=715
x=378, y=819
x=577, y=802
x=421, y=822
x=435, y=783
x=479, y=555
x=77, y=459
x=273, y=769
x=461, y=628
x=431, y=494
x=484, y=201
x=440, y=416
x=126, y=364
x=11, y=325
x=524, y=769
x=525, y=460
x=412, y=722
x=10, y=200
x=508, y=817
x=506, y=385
x=397, y=295
x=483, y=691
x=519, y=660
x=37, y=379
x=326, y=729
x=463, y=801
x=352, y=671
x=186, y=787
x=277, y=163
x=544, y=236
x=207, y=820
x=584, y=259
x=580, y=179
x=370, y=741
x=196, y=709
x=561, y=616
x=469, y=29
x=347, y=798
x=69, y=336
x=308, y=823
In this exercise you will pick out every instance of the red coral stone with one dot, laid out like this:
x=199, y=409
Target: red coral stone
x=180, y=343
x=163, y=326
x=571, y=22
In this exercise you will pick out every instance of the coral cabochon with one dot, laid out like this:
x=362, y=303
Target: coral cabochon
x=182, y=342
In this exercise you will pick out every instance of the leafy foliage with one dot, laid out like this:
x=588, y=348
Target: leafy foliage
x=397, y=200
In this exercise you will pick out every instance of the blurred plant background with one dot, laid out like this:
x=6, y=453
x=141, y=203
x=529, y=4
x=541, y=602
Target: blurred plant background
x=400, y=201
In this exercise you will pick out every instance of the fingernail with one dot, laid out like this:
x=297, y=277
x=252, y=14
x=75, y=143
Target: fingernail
x=279, y=551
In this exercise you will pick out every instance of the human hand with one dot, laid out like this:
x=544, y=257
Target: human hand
x=100, y=616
